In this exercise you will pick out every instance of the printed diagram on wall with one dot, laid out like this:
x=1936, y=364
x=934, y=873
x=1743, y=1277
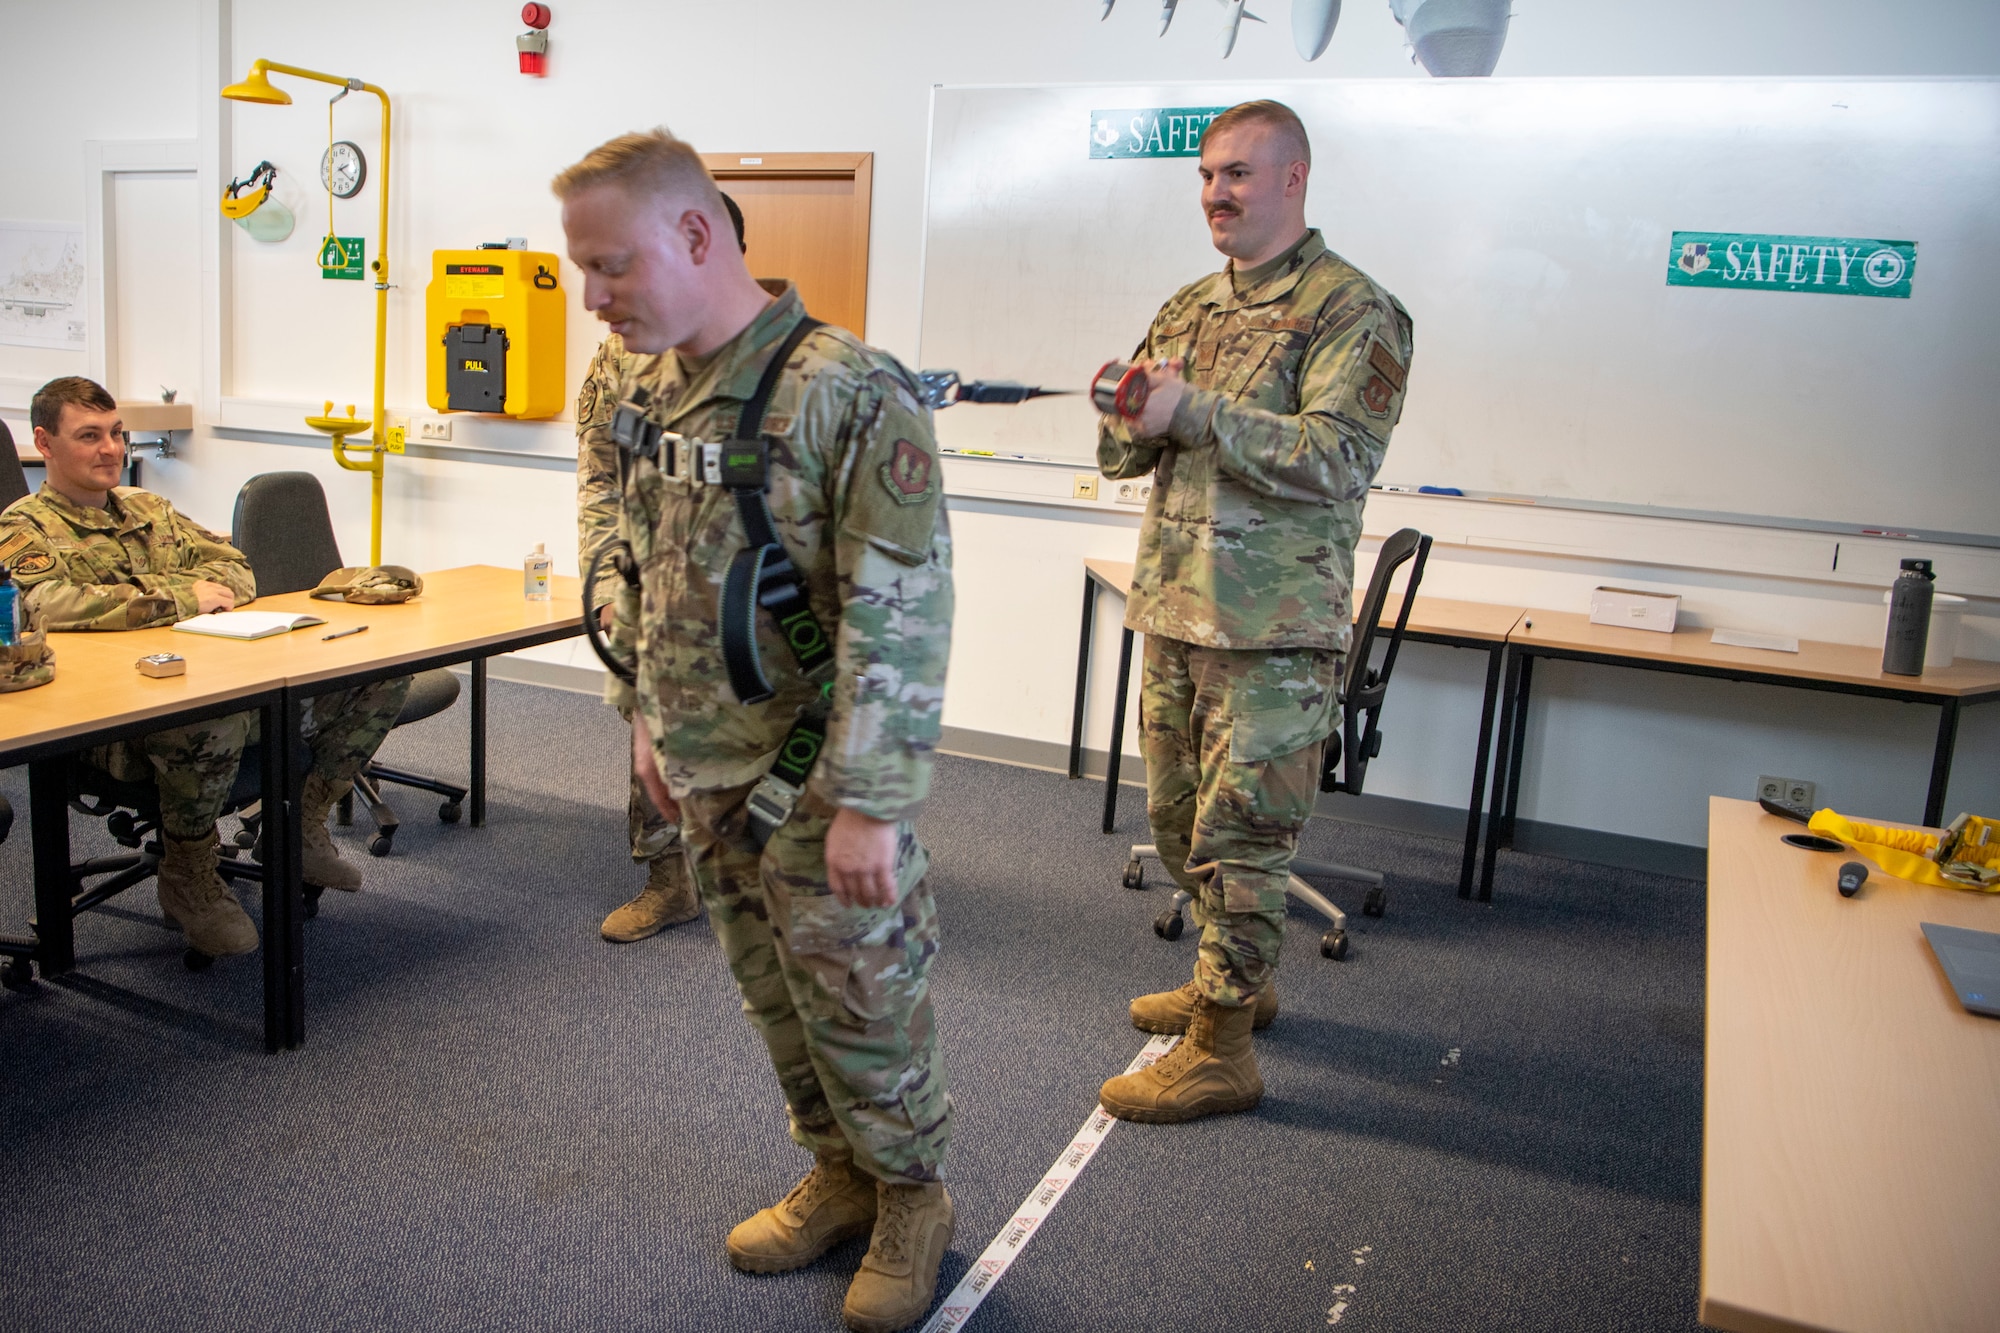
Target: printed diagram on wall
x=41, y=285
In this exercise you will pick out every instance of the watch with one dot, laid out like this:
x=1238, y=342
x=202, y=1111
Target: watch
x=343, y=170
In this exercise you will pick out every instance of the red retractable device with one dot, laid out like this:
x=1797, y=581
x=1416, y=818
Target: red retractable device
x=1120, y=389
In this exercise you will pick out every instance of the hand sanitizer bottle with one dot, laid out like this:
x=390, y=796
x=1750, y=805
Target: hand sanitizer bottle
x=535, y=575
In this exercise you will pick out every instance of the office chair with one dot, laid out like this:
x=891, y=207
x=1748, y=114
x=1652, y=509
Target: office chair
x=282, y=527
x=13, y=479
x=1348, y=750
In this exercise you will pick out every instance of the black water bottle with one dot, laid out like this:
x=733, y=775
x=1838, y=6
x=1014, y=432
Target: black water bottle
x=1909, y=620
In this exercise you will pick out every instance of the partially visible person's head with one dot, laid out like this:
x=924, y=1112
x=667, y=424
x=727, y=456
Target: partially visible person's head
x=78, y=430
x=736, y=221
x=1255, y=159
x=643, y=218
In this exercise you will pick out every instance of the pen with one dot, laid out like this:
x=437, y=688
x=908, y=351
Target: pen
x=342, y=633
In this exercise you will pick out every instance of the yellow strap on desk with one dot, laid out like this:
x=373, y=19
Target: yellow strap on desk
x=1903, y=852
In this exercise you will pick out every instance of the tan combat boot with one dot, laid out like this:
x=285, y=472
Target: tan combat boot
x=1211, y=1072
x=194, y=897
x=667, y=900
x=1169, y=1010
x=832, y=1203
x=320, y=858
x=898, y=1276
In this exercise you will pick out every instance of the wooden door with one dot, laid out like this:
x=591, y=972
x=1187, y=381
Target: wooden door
x=805, y=217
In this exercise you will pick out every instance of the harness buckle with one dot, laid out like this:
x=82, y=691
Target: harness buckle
x=770, y=804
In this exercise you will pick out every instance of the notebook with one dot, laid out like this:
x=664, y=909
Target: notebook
x=1971, y=959
x=247, y=624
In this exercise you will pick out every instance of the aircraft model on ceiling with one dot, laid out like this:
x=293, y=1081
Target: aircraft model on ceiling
x=1447, y=37
x=1237, y=13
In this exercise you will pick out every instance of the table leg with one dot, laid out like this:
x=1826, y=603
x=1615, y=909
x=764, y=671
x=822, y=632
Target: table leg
x=1494, y=656
x=478, y=742
x=1519, y=751
x=1502, y=769
x=1082, y=677
x=284, y=917
x=1947, y=740
x=1117, y=751
x=48, y=817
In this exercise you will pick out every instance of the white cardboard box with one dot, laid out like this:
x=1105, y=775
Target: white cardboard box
x=1628, y=608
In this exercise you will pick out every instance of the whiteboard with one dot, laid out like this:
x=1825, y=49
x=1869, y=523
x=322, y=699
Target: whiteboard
x=1526, y=223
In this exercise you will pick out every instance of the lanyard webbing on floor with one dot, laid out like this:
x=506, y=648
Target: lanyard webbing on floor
x=997, y=1258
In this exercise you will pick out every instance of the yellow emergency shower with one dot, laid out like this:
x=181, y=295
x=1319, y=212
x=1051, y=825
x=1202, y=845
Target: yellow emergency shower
x=493, y=320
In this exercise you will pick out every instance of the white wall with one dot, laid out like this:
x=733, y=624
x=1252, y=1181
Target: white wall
x=476, y=143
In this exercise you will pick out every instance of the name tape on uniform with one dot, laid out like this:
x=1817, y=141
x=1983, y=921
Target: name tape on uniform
x=997, y=1258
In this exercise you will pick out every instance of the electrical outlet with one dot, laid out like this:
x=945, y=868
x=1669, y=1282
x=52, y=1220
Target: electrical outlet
x=1795, y=792
x=434, y=428
x=1133, y=492
x=1085, y=487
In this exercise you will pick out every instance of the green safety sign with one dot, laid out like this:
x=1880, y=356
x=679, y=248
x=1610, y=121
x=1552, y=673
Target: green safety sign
x=341, y=257
x=1162, y=131
x=1832, y=265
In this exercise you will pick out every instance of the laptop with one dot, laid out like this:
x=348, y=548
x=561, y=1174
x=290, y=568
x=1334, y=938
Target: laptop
x=1971, y=959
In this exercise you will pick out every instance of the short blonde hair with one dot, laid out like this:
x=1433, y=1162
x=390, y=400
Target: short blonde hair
x=645, y=162
x=1291, y=130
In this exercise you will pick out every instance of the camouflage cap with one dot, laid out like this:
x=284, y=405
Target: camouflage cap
x=371, y=585
x=27, y=663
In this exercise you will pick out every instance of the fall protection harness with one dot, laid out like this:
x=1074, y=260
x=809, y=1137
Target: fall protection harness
x=761, y=574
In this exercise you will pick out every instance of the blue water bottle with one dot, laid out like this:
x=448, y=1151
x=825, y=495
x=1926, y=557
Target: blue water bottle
x=10, y=609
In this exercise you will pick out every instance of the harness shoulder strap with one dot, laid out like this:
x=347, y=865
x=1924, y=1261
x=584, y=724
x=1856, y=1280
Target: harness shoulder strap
x=762, y=573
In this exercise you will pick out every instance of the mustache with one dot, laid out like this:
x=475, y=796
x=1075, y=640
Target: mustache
x=1224, y=210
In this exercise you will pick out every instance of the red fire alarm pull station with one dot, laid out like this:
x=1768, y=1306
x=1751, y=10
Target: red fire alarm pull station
x=534, y=44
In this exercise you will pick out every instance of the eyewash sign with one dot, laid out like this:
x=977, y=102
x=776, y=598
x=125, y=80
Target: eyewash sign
x=1831, y=265
x=1163, y=131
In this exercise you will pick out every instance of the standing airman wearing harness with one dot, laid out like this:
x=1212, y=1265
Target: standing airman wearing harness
x=811, y=543
x=1295, y=364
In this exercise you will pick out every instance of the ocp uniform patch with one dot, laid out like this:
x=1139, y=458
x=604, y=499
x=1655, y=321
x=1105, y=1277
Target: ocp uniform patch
x=1385, y=381
x=22, y=554
x=910, y=474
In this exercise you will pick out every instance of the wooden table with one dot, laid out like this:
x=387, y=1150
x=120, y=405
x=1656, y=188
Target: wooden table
x=1436, y=620
x=465, y=614
x=1837, y=668
x=1850, y=1161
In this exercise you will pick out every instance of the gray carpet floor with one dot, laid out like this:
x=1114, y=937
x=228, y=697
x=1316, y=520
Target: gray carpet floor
x=1486, y=1117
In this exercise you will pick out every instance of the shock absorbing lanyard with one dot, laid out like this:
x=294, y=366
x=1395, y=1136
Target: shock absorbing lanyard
x=761, y=574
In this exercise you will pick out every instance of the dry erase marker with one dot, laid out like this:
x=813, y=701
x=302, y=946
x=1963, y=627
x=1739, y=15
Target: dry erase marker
x=342, y=633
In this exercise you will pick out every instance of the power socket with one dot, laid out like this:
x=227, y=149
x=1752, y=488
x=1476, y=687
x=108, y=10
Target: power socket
x=1133, y=492
x=1085, y=486
x=434, y=428
x=1795, y=792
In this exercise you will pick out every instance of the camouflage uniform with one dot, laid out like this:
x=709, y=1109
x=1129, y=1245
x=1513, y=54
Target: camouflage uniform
x=133, y=565
x=652, y=834
x=1244, y=580
x=840, y=995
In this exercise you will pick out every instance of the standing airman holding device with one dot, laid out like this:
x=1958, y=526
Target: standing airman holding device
x=1273, y=387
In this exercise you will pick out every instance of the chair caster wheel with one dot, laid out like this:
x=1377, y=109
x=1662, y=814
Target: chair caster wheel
x=1168, y=925
x=312, y=893
x=449, y=812
x=244, y=838
x=379, y=845
x=1375, y=903
x=1333, y=945
x=1134, y=876
x=17, y=974
x=197, y=961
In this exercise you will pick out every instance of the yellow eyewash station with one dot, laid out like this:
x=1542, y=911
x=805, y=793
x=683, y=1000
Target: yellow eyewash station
x=257, y=88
